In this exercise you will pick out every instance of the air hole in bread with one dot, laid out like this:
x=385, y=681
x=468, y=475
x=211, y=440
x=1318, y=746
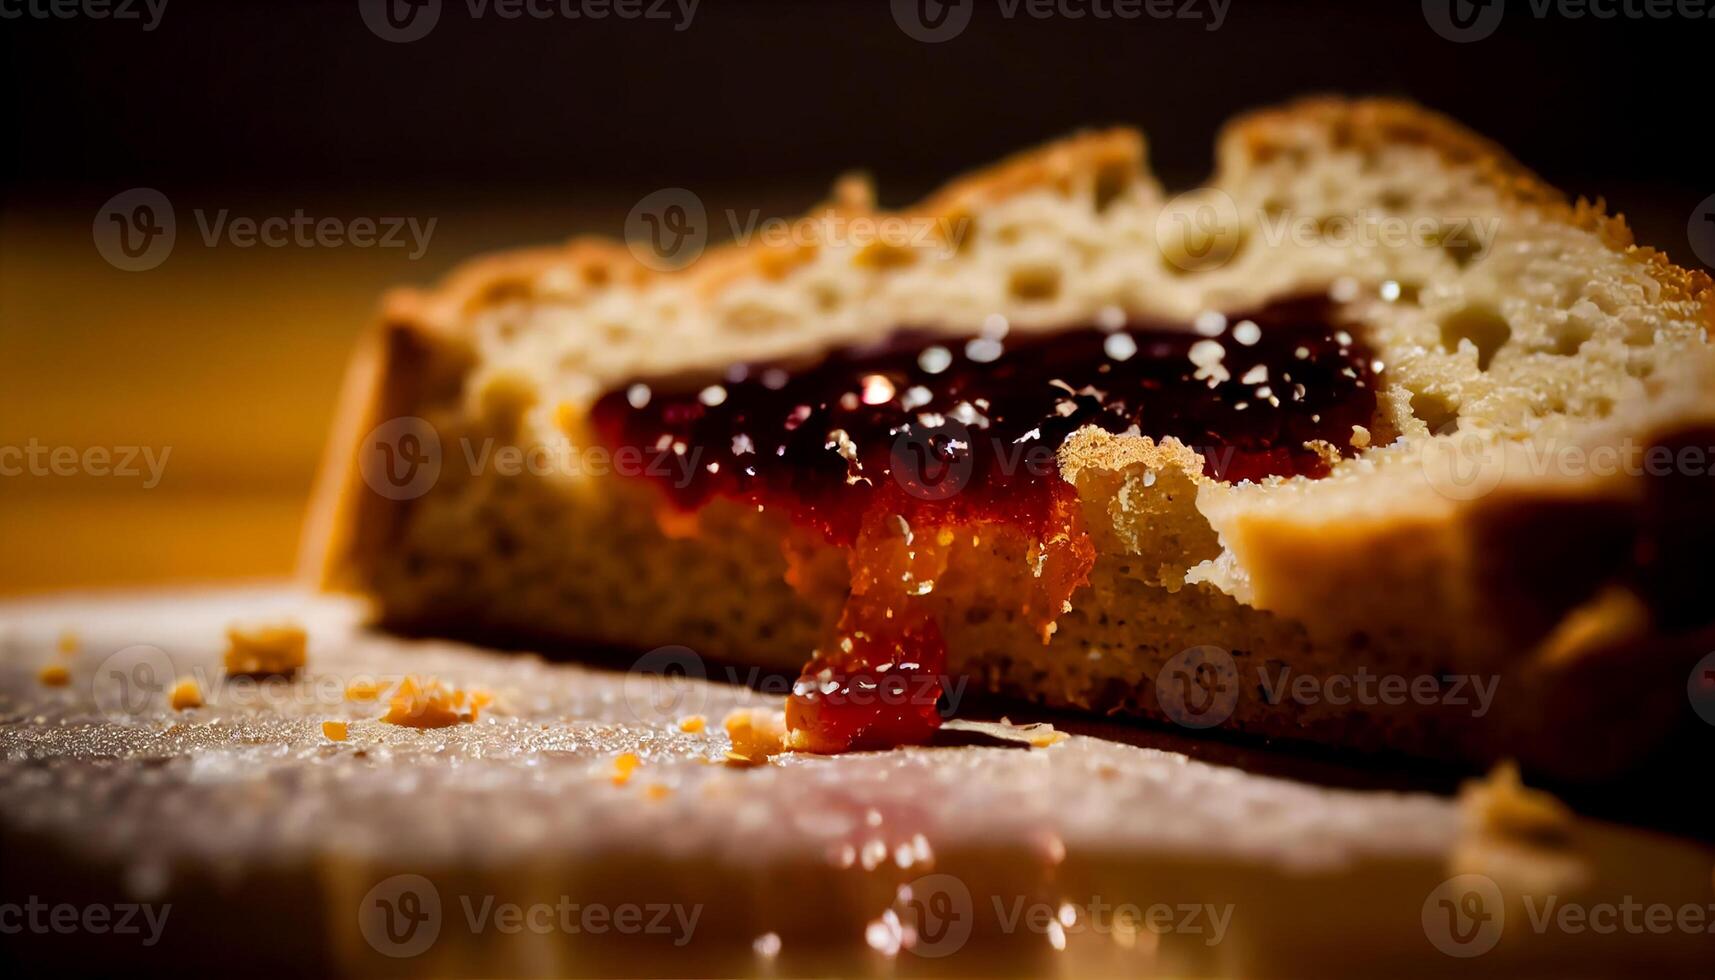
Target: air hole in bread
x=885, y=255
x=1485, y=328
x=1461, y=243
x=1436, y=411
x=827, y=297
x=1034, y=283
x=1568, y=337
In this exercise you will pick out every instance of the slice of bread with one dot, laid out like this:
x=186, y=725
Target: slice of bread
x=1505, y=562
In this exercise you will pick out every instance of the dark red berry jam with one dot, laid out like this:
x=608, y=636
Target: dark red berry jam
x=884, y=447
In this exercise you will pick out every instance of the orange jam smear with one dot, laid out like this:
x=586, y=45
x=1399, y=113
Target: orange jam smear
x=892, y=450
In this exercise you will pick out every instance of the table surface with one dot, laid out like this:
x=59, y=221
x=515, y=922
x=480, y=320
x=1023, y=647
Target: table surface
x=979, y=854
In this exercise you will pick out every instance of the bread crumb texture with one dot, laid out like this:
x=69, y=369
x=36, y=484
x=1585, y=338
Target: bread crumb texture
x=426, y=702
x=186, y=693
x=1501, y=804
x=757, y=734
x=265, y=650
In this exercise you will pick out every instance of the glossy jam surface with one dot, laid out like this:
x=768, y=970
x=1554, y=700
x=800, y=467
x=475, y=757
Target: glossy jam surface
x=966, y=424
x=887, y=449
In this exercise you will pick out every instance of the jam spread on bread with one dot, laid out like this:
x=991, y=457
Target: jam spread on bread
x=893, y=450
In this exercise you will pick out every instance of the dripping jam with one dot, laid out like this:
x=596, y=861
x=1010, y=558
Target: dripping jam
x=889, y=449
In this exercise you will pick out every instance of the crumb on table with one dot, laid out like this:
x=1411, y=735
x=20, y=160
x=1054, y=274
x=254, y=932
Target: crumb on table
x=265, y=651
x=757, y=735
x=54, y=675
x=334, y=731
x=186, y=693
x=624, y=766
x=1500, y=803
x=425, y=702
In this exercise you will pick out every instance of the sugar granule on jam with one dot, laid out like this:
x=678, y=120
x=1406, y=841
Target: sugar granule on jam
x=885, y=448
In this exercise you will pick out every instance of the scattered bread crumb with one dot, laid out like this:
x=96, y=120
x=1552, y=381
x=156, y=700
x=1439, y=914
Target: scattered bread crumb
x=658, y=791
x=265, y=651
x=757, y=734
x=54, y=675
x=362, y=689
x=335, y=731
x=1043, y=735
x=1612, y=617
x=1500, y=803
x=185, y=694
x=1360, y=437
x=69, y=641
x=693, y=724
x=624, y=766
x=424, y=702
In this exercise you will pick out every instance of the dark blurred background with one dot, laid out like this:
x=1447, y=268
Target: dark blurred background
x=510, y=130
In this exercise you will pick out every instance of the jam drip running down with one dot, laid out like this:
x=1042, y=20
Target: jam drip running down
x=887, y=449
